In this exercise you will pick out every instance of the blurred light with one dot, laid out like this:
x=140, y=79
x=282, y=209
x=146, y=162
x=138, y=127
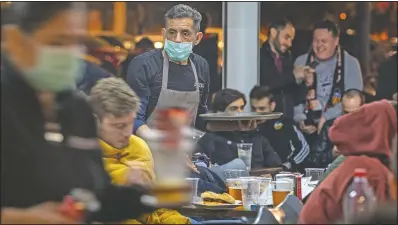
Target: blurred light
x=350, y=31
x=117, y=48
x=128, y=45
x=158, y=44
x=343, y=16
x=383, y=36
x=394, y=40
x=220, y=45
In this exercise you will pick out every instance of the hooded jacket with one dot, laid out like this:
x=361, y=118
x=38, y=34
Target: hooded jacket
x=363, y=137
x=116, y=164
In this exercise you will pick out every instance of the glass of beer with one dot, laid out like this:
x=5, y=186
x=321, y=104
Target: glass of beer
x=234, y=188
x=280, y=189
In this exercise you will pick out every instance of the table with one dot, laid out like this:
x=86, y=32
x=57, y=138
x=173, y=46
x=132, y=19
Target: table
x=260, y=172
x=214, y=214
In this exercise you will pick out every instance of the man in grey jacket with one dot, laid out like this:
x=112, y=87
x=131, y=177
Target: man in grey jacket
x=335, y=72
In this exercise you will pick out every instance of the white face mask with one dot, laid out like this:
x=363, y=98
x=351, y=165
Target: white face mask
x=56, y=69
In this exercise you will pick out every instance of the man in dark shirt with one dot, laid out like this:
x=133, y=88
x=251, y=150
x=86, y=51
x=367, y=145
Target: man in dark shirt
x=173, y=77
x=276, y=67
x=48, y=140
x=286, y=139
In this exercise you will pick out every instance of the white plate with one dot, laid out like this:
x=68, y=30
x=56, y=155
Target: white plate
x=218, y=206
x=240, y=116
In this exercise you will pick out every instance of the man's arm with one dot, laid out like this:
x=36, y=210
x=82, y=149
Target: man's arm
x=271, y=158
x=300, y=146
x=352, y=79
x=137, y=79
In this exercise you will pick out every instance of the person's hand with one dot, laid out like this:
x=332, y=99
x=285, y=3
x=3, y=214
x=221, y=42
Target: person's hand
x=300, y=72
x=335, y=152
x=191, y=165
x=321, y=123
x=307, y=129
x=137, y=174
x=395, y=97
x=248, y=125
x=309, y=76
x=45, y=213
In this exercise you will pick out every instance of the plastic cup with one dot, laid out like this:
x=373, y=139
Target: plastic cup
x=265, y=190
x=234, y=188
x=233, y=174
x=280, y=189
x=193, y=182
x=250, y=192
x=245, y=153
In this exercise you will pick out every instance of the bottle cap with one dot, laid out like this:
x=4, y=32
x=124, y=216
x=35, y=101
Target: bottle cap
x=360, y=172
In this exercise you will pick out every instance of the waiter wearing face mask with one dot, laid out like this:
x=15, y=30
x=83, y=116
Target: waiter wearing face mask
x=173, y=77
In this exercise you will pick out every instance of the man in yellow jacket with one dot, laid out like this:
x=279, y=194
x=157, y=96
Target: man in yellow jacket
x=127, y=158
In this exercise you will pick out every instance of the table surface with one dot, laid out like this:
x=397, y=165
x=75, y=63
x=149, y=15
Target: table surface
x=192, y=211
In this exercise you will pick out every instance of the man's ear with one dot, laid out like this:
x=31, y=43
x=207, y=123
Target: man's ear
x=273, y=105
x=199, y=37
x=163, y=33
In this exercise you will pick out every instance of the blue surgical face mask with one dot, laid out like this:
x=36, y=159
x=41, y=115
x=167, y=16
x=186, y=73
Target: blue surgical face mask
x=56, y=69
x=178, y=51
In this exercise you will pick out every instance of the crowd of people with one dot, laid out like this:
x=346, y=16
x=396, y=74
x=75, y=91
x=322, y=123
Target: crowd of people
x=62, y=131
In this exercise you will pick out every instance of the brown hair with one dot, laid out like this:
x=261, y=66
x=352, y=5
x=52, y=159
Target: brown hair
x=113, y=96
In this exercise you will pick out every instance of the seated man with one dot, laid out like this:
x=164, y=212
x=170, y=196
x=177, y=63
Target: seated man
x=221, y=146
x=283, y=135
x=127, y=158
x=322, y=148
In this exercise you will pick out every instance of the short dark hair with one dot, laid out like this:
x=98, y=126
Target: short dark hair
x=279, y=24
x=225, y=97
x=328, y=25
x=184, y=11
x=31, y=15
x=144, y=43
x=353, y=92
x=259, y=92
x=204, y=22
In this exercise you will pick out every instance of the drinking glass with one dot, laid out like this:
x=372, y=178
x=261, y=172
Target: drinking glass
x=234, y=188
x=193, y=183
x=250, y=192
x=233, y=173
x=245, y=153
x=265, y=190
x=280, y=189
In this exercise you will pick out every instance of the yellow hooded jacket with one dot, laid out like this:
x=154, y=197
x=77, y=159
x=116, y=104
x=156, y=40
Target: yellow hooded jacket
x=116, y=164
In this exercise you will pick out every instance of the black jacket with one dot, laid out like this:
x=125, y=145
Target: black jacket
x=221, y=148
x=321, y=150
x=287, y=140
x=283, y=85
x=92, y=73
x=36, y=169
x=387, y=83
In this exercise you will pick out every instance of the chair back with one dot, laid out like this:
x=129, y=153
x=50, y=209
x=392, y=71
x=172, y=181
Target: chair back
x=291, y=206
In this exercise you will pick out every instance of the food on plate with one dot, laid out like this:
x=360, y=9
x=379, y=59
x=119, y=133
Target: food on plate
x=211, y=198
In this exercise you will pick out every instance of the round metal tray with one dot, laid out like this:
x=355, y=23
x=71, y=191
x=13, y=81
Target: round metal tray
x=224, y=116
